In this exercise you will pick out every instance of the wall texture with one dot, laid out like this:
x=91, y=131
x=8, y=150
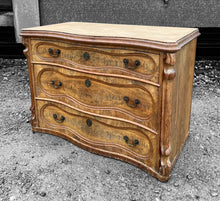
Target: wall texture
x=186, y=13
x=26, y=14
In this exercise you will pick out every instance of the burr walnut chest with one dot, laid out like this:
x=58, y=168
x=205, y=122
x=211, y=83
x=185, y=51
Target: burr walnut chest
x=121, y=91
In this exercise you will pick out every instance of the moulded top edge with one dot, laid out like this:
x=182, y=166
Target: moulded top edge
x=156, y=37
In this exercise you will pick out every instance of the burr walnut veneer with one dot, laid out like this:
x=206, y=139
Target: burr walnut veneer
x=121, y=91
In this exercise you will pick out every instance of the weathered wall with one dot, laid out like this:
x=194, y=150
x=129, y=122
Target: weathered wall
x=186, y=13
x=26, y=14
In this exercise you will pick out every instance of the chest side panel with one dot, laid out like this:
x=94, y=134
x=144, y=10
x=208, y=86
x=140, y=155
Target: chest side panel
x=182, y=97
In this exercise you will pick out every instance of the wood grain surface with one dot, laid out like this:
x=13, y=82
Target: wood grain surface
x=182, y=96
x=104, y=134
x=83, y=90
x=154, y=33
x=106, y=60
x=151, y=37
x=104, y=96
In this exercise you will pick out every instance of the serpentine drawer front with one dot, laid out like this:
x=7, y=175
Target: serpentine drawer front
x=103, y=95
x=107, y=136
x=121, y=91
x=140, y=64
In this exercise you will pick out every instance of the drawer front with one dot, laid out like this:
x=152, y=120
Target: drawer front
x=104, y=134
x=103, y=60
x=108, y=96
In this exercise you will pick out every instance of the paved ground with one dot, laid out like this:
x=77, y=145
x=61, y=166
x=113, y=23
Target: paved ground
x=45, y=167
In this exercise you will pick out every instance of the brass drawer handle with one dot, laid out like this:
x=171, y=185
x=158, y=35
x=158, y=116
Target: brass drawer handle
x=89, y=122
x=134, y=144
x=56, y=86
x=136, y=102
x=57, y=53
x=88, y=83
x=136, y=64
x=58, y=120
x=86, y=56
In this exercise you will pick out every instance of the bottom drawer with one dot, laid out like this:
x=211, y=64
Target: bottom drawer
x=100, y=135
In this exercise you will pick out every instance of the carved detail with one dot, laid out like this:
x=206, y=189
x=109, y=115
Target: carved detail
x=170, y=58
x=169, y=75
x=169, y=72
x=33, y=116
x=165, y=151
x=25, y=42
x=165, y=167
x=165, y=161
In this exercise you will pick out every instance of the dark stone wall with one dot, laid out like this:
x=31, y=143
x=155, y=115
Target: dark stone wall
x=184, y=13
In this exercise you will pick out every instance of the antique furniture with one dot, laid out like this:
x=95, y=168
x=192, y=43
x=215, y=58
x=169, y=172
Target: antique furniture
x=121, y=91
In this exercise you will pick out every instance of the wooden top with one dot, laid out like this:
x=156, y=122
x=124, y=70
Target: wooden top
x=165, y=38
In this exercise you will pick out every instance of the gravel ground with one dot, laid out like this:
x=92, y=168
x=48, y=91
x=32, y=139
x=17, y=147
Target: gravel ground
x=45, y=167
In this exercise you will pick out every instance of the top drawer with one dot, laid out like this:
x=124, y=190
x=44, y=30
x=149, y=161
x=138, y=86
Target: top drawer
x=99, y=60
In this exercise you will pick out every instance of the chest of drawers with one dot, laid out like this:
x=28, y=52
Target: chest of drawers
x=121, y=91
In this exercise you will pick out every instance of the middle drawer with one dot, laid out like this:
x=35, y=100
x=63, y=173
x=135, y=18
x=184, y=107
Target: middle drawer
x=105, y=96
